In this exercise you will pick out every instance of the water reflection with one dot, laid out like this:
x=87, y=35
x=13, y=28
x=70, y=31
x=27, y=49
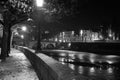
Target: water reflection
x=72, y=56
x=61, y=59
x=80, y=69
x=95, y=73
x=91, y=70
x=110, y=70
x=62, y=54
x=76, y=61
x=72, y=66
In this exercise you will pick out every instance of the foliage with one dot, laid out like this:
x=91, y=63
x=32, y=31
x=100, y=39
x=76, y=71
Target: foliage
x=16, y=10
x=65, y=7
x=59, y=8
x=17, y=6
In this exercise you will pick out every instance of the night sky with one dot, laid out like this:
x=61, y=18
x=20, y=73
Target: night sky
x=91, y=14
x=94, y=12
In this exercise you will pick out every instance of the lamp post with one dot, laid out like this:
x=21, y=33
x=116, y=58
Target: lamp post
x=39, y=5
x=22, y=37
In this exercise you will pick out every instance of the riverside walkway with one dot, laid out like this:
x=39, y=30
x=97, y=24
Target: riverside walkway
x=17, y=67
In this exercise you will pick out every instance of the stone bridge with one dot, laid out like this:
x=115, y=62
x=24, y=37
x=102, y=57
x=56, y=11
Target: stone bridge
x=44, y=44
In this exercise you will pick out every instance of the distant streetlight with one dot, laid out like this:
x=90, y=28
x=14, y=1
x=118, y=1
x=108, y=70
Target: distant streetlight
x=22, y=36
x=15, y=31
x=24, y=28
x=16, y=27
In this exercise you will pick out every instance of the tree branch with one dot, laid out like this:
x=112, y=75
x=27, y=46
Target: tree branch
x=18, y=21
x=1, y=22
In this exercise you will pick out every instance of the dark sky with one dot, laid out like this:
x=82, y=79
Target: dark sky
x=95, y=12
x=91, y=13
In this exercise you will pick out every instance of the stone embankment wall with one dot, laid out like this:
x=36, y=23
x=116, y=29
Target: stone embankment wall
x=49, y=69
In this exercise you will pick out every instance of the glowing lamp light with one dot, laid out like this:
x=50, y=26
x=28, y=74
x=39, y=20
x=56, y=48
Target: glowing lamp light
x=22, y=36
x=110, y=35
x=39, y=3
x=81, y=32
x=24, y=28
x=60, y=40
x=69, y=44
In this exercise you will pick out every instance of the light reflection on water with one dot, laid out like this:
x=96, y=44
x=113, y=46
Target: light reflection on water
x=80, y=69
x=110, y=70
x=108, y=73
x=75, y=62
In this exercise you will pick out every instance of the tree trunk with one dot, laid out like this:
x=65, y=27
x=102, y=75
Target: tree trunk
x=9, y=41
x=6, y=35
x=4, y=44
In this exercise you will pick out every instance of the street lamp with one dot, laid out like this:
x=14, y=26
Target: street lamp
x=24, y=28
x=39, y=5
x=22, y=36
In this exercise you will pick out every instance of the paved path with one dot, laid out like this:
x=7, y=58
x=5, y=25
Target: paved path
x=17, y=67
